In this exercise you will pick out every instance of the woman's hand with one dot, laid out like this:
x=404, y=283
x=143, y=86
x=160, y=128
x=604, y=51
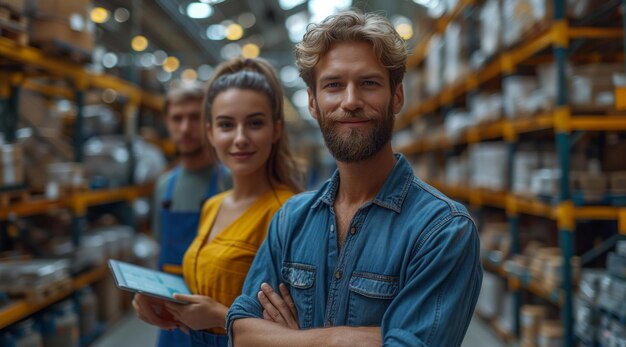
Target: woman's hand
x=152, y=311
x=278, y=308
x=201, y=313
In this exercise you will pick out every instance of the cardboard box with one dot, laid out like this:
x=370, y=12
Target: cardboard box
x=45, y=31
x=11, y=165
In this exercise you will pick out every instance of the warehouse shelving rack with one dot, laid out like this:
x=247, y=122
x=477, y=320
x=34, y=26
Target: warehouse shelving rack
x=81, y=80
x=557, y=35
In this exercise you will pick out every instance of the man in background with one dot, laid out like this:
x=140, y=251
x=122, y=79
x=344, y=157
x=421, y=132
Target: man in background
x=181, y=192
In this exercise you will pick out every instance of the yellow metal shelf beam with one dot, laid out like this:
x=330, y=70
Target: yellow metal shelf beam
x=76, y=72
x=517, y=204
x=21, y=309
x=79, y=201
x=558, y=33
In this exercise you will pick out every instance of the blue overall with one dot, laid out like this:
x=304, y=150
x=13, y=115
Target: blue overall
x=178, y=230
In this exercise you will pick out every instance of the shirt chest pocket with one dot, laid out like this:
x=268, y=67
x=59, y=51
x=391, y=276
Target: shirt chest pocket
x=370, y=295
x=301, y=280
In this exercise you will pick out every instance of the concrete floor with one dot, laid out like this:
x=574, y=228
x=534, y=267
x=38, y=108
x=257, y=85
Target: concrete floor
x=132, y=332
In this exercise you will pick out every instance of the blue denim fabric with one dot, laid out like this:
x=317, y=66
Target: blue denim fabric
x=205, y=339
x=409, y=263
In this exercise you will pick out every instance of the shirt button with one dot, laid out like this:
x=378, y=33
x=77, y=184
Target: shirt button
x=338, y=274
x=353, y=231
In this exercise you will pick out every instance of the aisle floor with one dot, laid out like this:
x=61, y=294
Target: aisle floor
x=130, y=331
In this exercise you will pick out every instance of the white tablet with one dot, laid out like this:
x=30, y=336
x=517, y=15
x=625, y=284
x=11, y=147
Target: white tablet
x=147, y=281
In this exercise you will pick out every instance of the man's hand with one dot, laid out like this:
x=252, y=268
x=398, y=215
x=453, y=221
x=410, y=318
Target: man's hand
x=201, y=313
x=278, y=309
x=152, y=311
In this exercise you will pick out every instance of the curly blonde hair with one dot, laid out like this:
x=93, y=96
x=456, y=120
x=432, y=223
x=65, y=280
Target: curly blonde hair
x=352, y=26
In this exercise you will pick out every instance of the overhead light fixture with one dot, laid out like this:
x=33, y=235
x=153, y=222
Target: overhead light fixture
x=159, y=57
x=164, y=76
x=300, y=98
x=109, y=60
x=99, y=15
x=405, y=31
x=189, y=75
x=147, y=60
x=230, y=51
x=289, y=75
x=204, y=72
x=121, y=15
x=296, y=25
x=320, y=9
x=171, y=64
x=216, y=32
x=289, y=4
x=403, y=26
x=250, y=50
x=234, y=32
x=139, y=43
x=199, y=10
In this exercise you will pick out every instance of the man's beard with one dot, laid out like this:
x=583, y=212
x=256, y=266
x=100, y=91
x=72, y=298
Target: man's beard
x=190, y=153
x=357, y=144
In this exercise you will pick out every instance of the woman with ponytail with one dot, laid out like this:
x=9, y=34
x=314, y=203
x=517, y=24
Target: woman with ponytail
x=245, y=125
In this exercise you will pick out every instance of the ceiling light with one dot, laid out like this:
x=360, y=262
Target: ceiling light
x=164, y=76
x=109, y=60
x=204, y=72
x=121, y=15
x=216, y=32
x=139, y=43
x=405, y=31
x=296, y=25
x=289, y=75
x=320, y=9
x=234, y=32
x=300, y=98
x=171, y=64
x=147, y=60
x=199, y=10
x=230, y=51
x=159, y=57
x=250, y=50
x=189, y=75
x=99, y=15
x=289, y=4
x=212, y=2
x=246, y=20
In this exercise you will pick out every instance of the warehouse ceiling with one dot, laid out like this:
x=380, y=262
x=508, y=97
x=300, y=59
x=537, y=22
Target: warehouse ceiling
x=169, y=30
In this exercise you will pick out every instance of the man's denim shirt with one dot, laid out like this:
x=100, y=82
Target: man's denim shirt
x=409, y=263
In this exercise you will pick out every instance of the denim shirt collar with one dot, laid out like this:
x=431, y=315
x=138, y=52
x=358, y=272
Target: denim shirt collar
x=390, y=196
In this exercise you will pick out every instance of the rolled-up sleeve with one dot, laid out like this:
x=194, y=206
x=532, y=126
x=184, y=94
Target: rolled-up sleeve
x=443, y=281
x=265, y=268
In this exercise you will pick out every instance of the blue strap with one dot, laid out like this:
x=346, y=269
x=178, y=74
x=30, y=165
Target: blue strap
x=171, y=182
x=212, y=187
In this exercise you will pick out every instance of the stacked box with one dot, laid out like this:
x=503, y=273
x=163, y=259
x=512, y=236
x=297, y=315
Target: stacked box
x=62, y=21
x=11, y=165
x=531, y=319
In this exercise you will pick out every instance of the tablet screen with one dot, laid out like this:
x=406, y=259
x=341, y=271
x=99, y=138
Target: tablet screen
x=147, y=281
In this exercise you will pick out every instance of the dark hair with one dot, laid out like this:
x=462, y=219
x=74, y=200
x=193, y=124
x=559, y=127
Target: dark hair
x=258, y=75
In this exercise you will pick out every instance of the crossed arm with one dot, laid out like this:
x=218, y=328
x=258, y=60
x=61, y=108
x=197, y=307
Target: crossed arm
x=279, y=326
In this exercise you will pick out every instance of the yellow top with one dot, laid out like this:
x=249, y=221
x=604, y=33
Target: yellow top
x=219, y=267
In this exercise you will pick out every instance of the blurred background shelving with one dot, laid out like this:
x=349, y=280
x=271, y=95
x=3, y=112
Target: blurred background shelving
x=516, y=108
